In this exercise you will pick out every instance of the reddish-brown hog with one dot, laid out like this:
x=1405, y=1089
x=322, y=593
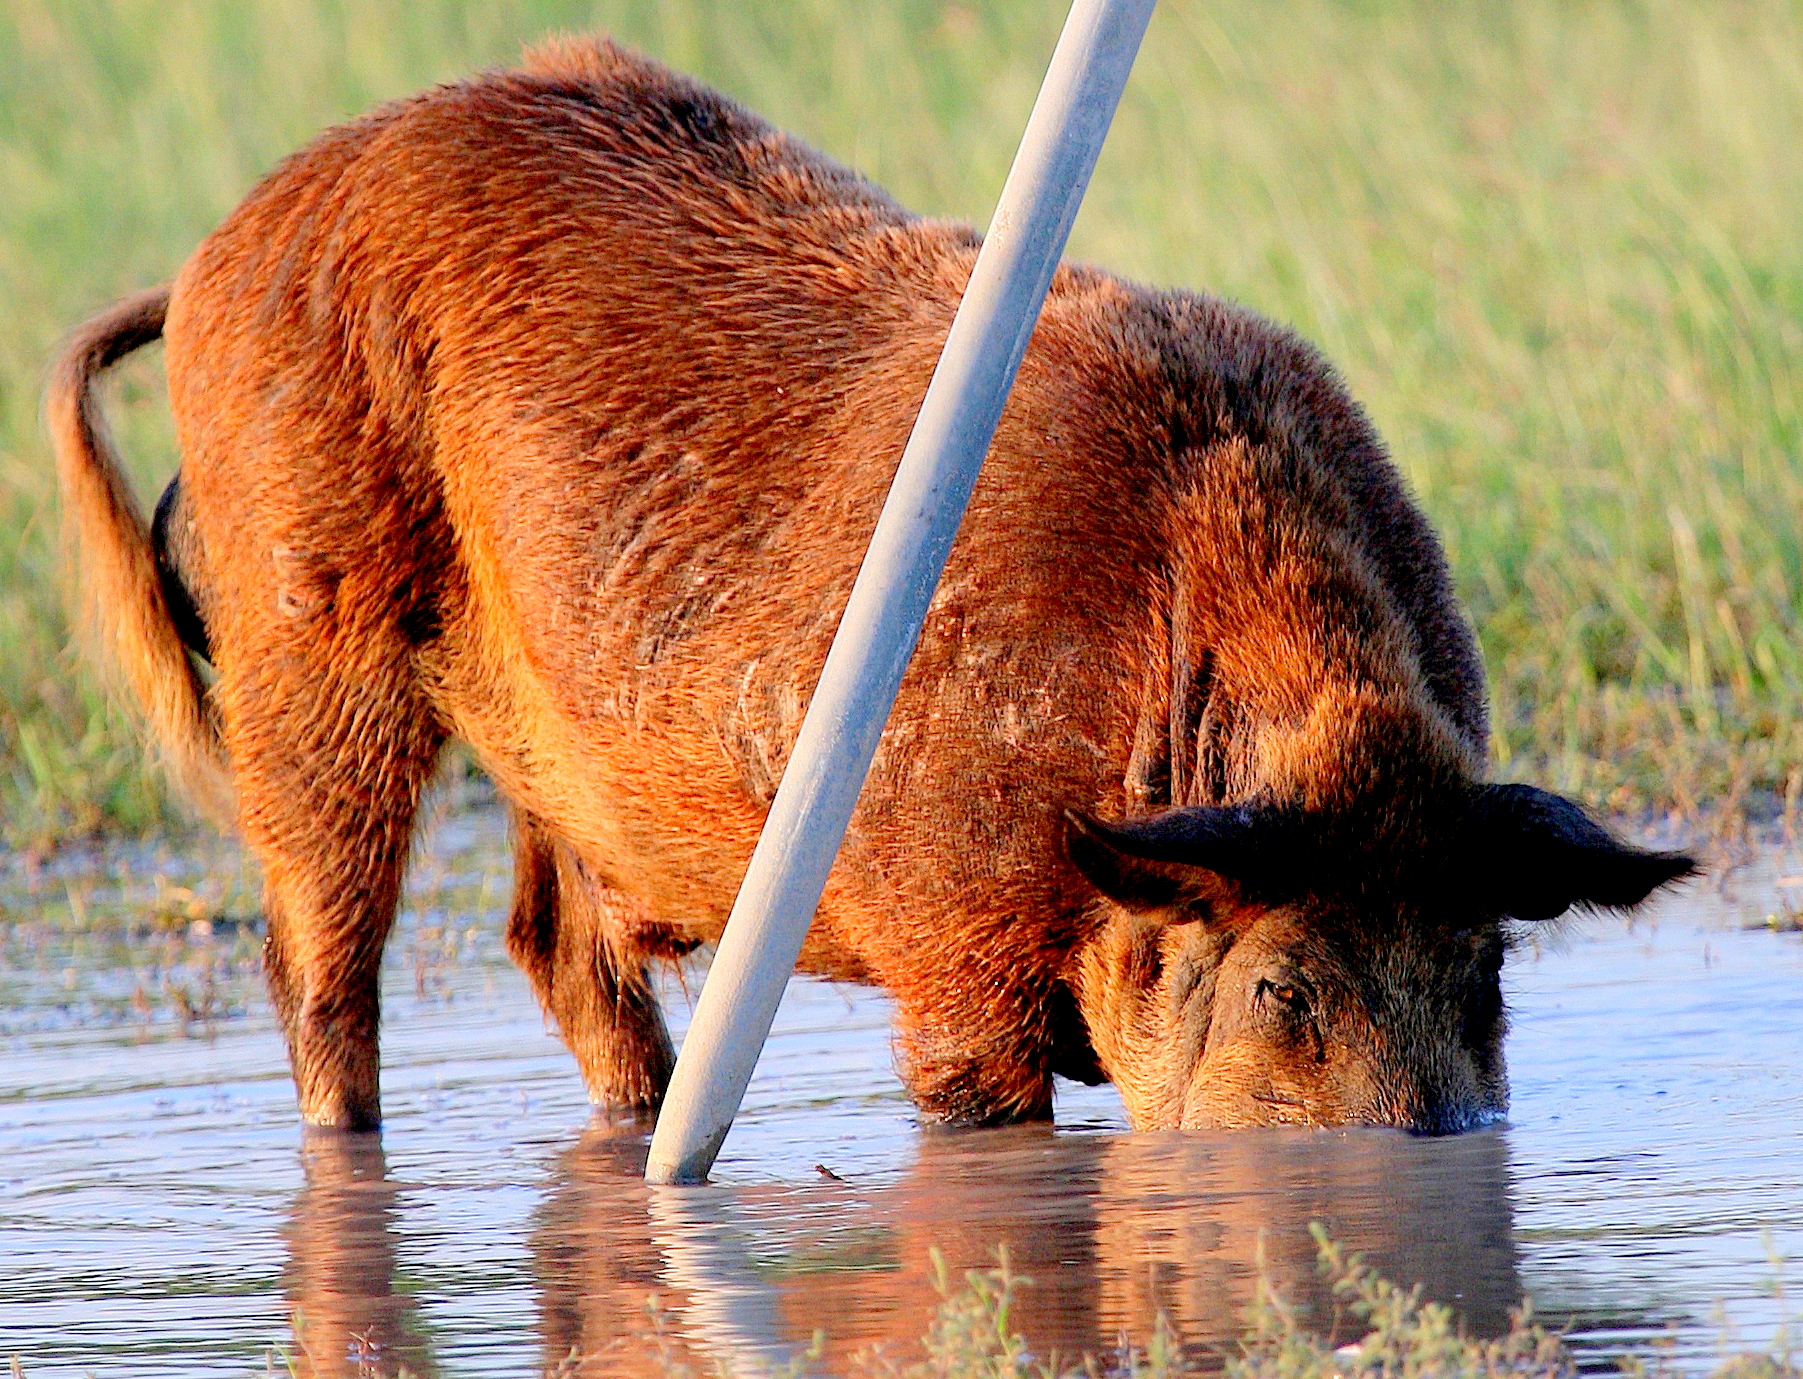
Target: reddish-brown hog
x=552, y=412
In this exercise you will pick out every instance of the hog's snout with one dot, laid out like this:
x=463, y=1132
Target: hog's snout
x=1218, y=1099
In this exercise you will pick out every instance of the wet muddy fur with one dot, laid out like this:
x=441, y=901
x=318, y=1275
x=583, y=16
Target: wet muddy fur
x=552, y=411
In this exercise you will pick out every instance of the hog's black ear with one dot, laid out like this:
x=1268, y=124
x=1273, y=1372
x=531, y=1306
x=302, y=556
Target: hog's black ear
x=1542, y=854
x=1165, y=859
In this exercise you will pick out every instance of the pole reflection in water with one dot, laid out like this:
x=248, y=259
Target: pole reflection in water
x=346, y=1319
x=734, y=1313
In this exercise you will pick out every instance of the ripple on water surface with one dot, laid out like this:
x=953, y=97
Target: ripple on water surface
x=162, y=1214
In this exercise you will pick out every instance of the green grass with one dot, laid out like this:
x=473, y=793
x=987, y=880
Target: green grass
x=1556, y=248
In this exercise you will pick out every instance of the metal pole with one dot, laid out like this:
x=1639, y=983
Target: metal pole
x=901, y=570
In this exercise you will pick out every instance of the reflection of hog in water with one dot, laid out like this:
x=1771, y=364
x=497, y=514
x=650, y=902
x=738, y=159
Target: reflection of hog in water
x=552, y=411
x=1114, y=1232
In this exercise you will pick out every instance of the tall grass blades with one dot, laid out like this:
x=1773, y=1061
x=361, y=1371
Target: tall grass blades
x=1556, y=249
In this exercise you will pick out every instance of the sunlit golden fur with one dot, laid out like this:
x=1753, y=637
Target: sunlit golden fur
x=552, y=411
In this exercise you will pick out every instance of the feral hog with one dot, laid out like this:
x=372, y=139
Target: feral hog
x=552, y=412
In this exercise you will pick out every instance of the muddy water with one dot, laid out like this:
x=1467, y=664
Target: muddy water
x=162, y=1214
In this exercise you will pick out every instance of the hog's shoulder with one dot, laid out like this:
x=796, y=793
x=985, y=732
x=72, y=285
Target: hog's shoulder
x=1169, y=403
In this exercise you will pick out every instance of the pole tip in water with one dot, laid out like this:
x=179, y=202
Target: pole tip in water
x=689, y=1170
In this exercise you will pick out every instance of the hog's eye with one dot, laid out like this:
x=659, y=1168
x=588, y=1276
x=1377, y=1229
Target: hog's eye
x=1286, y=996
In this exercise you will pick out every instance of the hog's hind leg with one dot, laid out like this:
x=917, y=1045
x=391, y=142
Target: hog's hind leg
x=572, y=935
x=331, y=756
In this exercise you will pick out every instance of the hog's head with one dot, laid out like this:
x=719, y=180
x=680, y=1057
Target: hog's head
x=1253, y=966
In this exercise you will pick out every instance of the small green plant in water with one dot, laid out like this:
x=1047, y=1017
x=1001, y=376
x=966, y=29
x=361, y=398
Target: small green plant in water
x=1405, y=1337
x=969, y=1334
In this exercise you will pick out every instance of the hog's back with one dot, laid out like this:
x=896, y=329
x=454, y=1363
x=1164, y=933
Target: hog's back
x=593, y=385
x=597, y=385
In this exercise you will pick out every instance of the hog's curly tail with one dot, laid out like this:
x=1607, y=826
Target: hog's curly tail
x=125, y=611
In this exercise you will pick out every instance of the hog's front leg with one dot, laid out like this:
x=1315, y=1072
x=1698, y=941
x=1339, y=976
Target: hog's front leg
x=964, y=1062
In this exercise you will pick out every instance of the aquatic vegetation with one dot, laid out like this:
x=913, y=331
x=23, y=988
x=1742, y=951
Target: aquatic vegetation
x=1397, y=1335
x=1402, y=1337
x=1556, y=251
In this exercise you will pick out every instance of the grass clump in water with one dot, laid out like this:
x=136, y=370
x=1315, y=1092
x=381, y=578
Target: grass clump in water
x=1401, y=1336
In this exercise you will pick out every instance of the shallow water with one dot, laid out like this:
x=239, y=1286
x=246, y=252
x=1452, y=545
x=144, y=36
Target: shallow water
x=161, y=1212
